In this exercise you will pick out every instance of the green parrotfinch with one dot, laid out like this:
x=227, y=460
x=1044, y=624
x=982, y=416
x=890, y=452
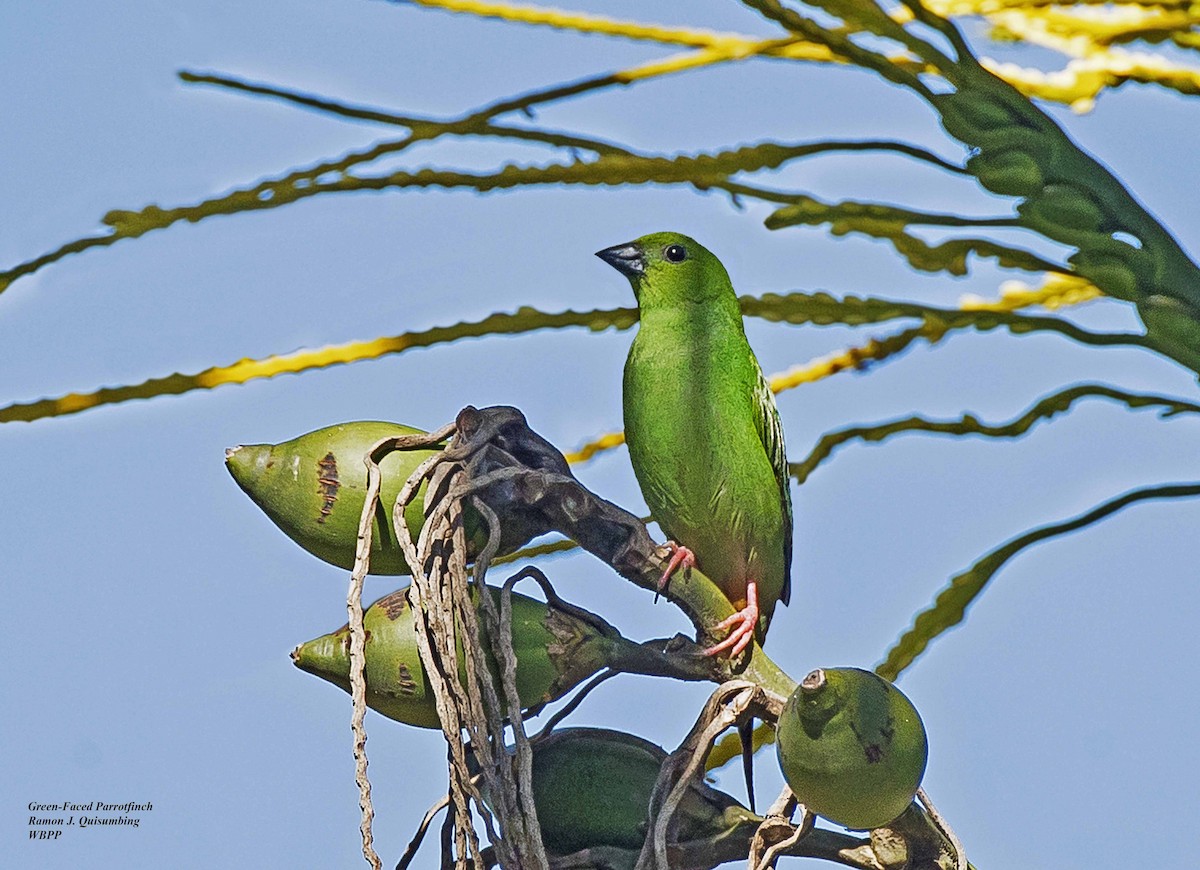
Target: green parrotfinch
x=703, y=431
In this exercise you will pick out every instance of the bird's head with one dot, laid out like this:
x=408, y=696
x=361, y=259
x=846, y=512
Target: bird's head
x=669, y=269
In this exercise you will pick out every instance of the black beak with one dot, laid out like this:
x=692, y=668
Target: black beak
x=626, y=259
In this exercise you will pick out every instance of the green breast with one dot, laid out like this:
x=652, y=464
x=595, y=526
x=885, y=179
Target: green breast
x=690, y=425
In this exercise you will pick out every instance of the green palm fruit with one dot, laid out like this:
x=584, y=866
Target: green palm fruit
x=991, y=126
x=555, y=652
x=967, y=116
x=1010, y=173
x=592, y=788
x=1112, y=274
x=1175, y=325
x=1062, y=206
x=852, y=747
x=313, y=487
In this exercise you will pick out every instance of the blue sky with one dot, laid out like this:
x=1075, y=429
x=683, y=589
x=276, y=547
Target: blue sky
x=150, y=608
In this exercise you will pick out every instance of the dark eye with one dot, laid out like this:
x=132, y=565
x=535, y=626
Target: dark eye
x=675, y=253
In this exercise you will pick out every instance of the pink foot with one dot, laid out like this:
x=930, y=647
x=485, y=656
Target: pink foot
x=743, y=623
x=677, y=555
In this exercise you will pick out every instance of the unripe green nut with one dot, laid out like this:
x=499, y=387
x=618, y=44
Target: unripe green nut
x=592, y=787
x=1010, y=173
x=1111, y=274
x=313, y=487
x=968, y=117
x=555, y=652
x=992, y=127
x=1062, y=205
x=1175, y=325
x=852, y=747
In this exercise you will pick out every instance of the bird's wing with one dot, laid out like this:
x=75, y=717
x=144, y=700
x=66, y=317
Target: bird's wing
x=770, y=433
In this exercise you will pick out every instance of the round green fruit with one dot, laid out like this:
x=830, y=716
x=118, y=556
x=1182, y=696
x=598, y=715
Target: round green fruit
x=592, y=787
x=1174, y=324
x=852, y=747
x=1064, y=206
x=1115, y=275
x=1008, y=172
x=970, y=118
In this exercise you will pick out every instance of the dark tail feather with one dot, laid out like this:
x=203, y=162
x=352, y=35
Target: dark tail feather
x=746, y=734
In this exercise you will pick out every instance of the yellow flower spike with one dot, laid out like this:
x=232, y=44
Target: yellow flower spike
x=599, y=445
x=825, y=366
x=585, y=23
x=521, y=321
x=1086, y=35
x=717, y=46
x=1057, y=291
x=791, y=49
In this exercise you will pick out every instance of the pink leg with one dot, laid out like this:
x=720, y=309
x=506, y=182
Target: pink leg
x=677, y=555
x=743, y=624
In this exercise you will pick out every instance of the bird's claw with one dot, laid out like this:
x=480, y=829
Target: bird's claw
x=676, y=555
x=738, y=639
x=743, y=623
